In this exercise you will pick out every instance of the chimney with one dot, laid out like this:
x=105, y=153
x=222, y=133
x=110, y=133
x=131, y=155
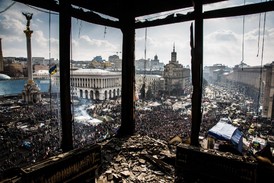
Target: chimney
x=1, y=58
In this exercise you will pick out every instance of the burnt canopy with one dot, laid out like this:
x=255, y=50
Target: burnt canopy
x=117, y=8
x=90, y=10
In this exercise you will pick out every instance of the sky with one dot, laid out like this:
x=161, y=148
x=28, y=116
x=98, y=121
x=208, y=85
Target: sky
x=223, y=37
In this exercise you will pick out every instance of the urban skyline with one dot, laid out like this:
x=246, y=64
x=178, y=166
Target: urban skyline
x=222, y=43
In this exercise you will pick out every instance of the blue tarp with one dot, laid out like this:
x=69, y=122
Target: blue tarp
x=227, y=132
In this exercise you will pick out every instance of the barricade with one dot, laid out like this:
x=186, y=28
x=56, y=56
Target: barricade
x=78, y=165
x=193, y=164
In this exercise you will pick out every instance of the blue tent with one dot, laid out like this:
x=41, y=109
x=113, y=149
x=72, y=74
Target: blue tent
x=227, y=132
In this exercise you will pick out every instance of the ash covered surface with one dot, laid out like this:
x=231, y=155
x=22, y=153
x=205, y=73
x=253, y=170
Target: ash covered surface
x=137, y=159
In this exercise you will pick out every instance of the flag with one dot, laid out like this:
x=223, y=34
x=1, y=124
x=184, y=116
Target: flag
x=53, y=70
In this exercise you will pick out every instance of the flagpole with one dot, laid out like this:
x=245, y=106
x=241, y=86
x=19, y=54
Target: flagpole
x=50, y=65
x=50, y=95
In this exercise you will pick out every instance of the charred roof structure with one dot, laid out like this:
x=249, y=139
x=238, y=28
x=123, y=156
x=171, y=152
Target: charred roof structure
x=123, y=15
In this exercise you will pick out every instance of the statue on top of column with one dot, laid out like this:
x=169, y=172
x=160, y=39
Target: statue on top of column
x=28, y=17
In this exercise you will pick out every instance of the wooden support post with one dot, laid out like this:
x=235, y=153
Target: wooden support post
x=128, y=77
x=197, y=74
x=64, y=51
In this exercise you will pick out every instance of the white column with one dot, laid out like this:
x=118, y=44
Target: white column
x=28, y=33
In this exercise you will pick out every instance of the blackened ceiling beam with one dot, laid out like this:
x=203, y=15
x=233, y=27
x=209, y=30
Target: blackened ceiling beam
x=97, y=19
x=114, y=8
x=219, y=13
x=78, y=13
x=168, y=20
x=240, y=10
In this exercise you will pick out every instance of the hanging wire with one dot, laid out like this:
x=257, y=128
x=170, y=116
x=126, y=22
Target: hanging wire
x=50, y=89
x=41, y=10
x=243, y=41
x=80, y=28
x=72, y=85
x=259, y=33
x=105, y=31
x=8, y=7
x=145, y=63
x=261, y=69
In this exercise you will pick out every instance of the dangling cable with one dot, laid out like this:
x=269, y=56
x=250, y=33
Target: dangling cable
x=261, y=69
x=259, y=33
x=243, y=41
x=80, y=28
x=50, y=89
x=72, y=85
x=145, y=63
x=7, y=8
x=105, y=31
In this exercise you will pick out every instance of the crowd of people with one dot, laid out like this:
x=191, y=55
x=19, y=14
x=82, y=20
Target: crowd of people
x=30, y=133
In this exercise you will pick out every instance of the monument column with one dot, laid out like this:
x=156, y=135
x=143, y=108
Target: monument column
x=31, y=92
x=28, y=33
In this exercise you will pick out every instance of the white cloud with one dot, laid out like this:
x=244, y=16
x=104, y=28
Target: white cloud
x=39, y=20
x=222, y=36
x=39, y=39
x=85, y=48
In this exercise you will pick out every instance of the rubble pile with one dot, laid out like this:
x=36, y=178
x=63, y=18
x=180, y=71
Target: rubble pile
x=137, y=159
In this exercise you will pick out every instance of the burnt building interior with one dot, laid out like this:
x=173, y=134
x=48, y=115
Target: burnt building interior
x=124, y=14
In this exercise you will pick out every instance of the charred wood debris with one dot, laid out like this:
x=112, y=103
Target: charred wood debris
x=137, y=159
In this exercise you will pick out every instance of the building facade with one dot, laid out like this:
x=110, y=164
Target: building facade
x=95, y=84
x=259, y=79
x=152, y=81
x=176, y=76
x=214, y=73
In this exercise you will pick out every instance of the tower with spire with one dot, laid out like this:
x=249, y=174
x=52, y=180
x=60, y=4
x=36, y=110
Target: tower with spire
x=176, y=76
x=174, y=55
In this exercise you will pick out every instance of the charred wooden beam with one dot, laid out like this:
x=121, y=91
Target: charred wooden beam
x=197, y=74
x=220, y=13
x=78, y=13
x=141, y=7
x=168, y=20
x=65, y=97
x=48, y=4
x=92, y=17
x=128, y=76
x=240, y=10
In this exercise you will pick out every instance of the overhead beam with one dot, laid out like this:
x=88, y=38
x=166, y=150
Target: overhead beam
x=219, y=13
x=76, y=13
x=240, y=10
x=93, y=18
x=140, y=7
x=168, y=20
x=96, y=19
